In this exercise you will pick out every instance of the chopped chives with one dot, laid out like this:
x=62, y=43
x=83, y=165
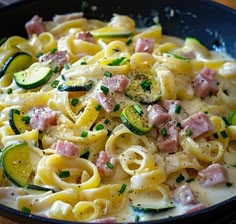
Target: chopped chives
x=64, y=174
x=190, y=180
x=83, y=63
x=180, y=178
x=188, y=133
x=9, y=91
x=129, y=41
x=84, y=134
x=104, y=89
x=109, y=165
x=138, y=110
x=26, y=119
x=136, y=218
x=215, y=135
x=117, y=108
x=178, y=109
x=122, y=189
x=98, y=107
x=146, y=85
x=99, y=127
x=225, y=92
x=26, y=210
x=74, y=102
x=229, y=184
x=107, y=74
x=39, y=55
x=53, y=50
x=178, y=125
x=63, y=77
x=164, y=132
x=55, y=83
x=117, y=61
x=224, y=134
x=66, y=66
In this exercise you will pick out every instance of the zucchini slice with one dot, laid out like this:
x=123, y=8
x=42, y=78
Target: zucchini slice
x=34, y=76
x=111, y=32
x=132, y=117
x=38, y=188
x=144, y=88
x=17, y=122
x=150, y=209
x=16, y=164
x=17, y=62
x=232, y=118
x=78, y=85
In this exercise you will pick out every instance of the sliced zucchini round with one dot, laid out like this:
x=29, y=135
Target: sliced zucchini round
x=150, y=209
x=38, y=188
x=143, y=88
x=17, y=62
x=232, y=118
x=133, y=118
x=111, y=32
x=34, y=76
x=77, y=85
x=16, y=164
x=17, y=122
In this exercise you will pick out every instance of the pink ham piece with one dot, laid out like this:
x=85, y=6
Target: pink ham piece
x=67, y=149
x=117, y=83
x=184, y=195
x=213, y=175
x=57, y=59
x=85, y=36
x=157, y=115
x=35, y=26
x=198, y=124
x=205, y=83
x=145, y=45
x=106, y=101
x=42, y=118
x=106, y=164
x=170, y=142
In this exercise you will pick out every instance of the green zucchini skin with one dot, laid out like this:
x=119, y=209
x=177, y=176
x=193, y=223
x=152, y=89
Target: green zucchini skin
x=75, y=87
x=151, y=209
x=17, y=62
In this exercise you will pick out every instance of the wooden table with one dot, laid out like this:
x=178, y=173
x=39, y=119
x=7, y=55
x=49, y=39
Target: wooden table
x=229, y=3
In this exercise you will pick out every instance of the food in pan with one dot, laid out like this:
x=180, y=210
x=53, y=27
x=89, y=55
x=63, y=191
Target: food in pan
x=103, y=121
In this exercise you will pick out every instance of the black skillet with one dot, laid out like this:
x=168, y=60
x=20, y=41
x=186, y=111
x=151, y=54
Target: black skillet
x=214, y=25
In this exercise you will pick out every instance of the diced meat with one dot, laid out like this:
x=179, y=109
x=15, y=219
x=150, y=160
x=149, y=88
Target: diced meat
x=189, y=54
x=67, y=149
x=198, y=124
x=175, y=109
x=85, y=36
x=66, y=17
x=117, y=83
x=106, y=101
x=145, y=45
x=184, y=195
x=106, y=164
x=105, y=220
x=35, y=26
x=168, y=143
x=213, y=175
x=205, y=83
x=157, y=115
x=194, y=208
x=57, y=59
x=42, y=118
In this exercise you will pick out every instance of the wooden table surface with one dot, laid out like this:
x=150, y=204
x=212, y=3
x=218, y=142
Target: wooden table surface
x=229, y=3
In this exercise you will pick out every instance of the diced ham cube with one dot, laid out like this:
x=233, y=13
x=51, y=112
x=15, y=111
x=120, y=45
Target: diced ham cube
x=213, y=175
x=57, y=59
x=205, y=83
x=117, y=83
x=106, y=101
x=184, y=195
x=170, y=142
x=194, y=208
x=198, y=124
x=145, y=45
x=85, y=36
x=35, y=26
x=106, y=164
x=67, y=149
x=42, y=118
x=157, y=115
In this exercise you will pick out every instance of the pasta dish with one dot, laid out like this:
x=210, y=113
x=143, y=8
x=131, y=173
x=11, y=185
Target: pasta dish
x=102, y=121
